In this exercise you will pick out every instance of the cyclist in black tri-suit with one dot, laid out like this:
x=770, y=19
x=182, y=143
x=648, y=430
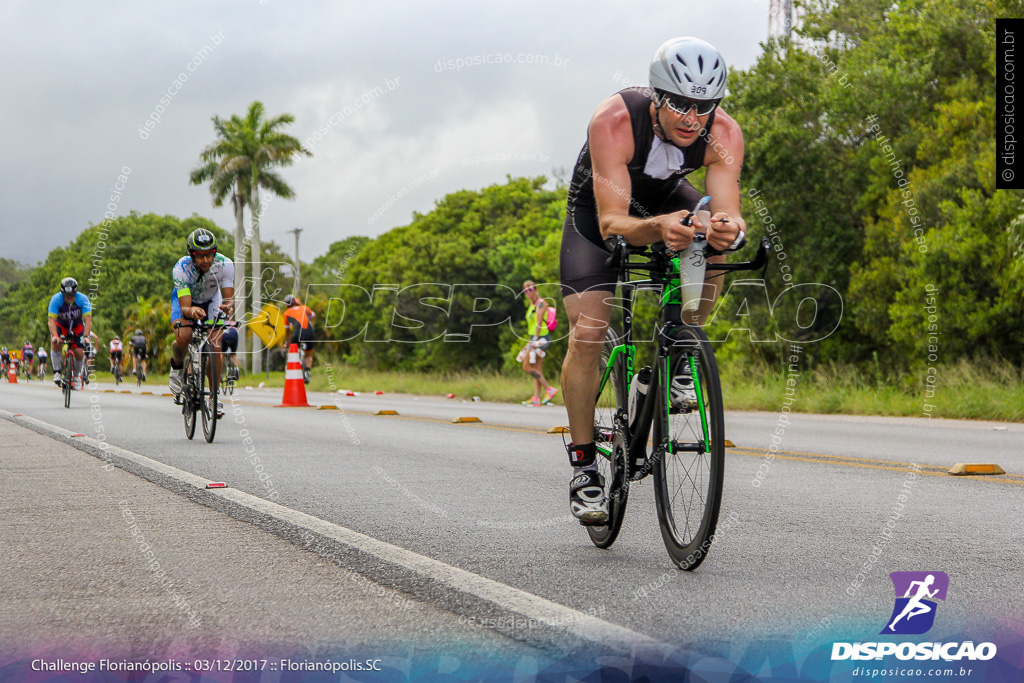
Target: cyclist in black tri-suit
x=630, y=180
x=138, y=344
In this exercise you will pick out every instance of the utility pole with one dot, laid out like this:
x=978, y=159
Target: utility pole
x=780, y=18
x=295, y=287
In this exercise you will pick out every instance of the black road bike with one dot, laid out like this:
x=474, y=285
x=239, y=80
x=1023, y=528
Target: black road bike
x=199, y=378
x=667, y=418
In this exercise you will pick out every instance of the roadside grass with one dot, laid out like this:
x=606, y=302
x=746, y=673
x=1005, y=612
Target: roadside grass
x=966, y=390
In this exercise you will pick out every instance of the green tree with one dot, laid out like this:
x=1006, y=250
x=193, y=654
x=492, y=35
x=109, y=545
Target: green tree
x=444, y=292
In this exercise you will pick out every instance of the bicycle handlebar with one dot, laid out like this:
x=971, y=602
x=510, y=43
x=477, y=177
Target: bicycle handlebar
x=621, y=250
x=206, y=323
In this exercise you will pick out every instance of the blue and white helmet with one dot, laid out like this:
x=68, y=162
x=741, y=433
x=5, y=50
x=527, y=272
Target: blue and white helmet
x=689, y=67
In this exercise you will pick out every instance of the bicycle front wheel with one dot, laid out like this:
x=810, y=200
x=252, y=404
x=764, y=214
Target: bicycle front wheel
x=188, y=399
x=689, y=434
x=68, y=376
x=610, y=442
x=208, y=393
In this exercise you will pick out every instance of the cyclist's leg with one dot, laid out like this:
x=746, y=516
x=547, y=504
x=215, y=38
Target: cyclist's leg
x=215, y=337
x=589, y=313
x=307, y=337
x=79, y=356
x=182, y=338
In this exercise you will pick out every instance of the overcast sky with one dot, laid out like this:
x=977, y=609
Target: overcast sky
x=400, y=103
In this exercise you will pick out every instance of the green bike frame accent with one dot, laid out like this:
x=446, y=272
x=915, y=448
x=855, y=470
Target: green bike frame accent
x=629, y=350
x=700, y=401
x=673, y=293
x=701, y=407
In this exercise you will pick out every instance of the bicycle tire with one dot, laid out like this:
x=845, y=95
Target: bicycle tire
x=688, y=480
x=188, y=405
x=68, y=374
x=228, y=387
x=610, y=440
x=117, y=376
x=208, y=392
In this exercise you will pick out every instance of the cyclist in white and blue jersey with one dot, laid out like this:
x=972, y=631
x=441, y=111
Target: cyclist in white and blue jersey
x=203, y=283
x=69, y=315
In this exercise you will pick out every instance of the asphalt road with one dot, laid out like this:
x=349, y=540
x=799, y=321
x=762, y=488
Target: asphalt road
x=802, y=557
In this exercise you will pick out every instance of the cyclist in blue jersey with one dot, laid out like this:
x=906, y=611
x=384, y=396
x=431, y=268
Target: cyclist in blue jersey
x=630, y=180
x=69, y=315
x=203, y=283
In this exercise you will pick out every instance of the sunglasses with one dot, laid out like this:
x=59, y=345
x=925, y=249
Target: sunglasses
x=682, y=105
x=529, y=289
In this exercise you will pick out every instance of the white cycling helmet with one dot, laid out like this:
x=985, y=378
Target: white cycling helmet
x=689, y=67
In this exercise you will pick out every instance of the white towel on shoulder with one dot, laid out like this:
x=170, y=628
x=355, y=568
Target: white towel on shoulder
x=664, y=159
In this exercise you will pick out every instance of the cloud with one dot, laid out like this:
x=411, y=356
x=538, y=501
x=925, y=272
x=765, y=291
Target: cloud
x=484, y=90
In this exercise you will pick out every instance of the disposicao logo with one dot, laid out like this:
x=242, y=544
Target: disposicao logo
x=914, y=614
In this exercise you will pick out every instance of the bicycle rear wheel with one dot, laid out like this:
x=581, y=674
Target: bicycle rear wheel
x=228, y=387
x=689, y=434
x=117, y=375
x=610, y=434
x=188, y=397
x=208, y=393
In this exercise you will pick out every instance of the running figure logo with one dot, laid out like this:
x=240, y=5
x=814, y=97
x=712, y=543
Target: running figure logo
x=914, y=612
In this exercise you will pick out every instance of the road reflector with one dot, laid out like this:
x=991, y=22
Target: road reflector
x=729, y=444
x=167, y=393
x=109, y=391
x=327, y=408
x=147, y=393
x=216, y=485
x=962, y=468
x=460, y=420
x=125, y=391
x=558, y=430
x=386, y=412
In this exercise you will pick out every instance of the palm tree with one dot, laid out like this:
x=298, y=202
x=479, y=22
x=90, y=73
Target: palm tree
x=240, y=163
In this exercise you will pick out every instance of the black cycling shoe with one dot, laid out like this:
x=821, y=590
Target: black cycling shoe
x=587, y=501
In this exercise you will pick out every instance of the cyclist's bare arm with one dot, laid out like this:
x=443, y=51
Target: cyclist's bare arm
x=724, y=160
x=188, y=310
x=86, y=324
x=228, y=294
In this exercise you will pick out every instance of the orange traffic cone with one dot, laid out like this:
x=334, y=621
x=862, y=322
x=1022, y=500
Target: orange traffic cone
x=294, y=387
x=12, y=373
